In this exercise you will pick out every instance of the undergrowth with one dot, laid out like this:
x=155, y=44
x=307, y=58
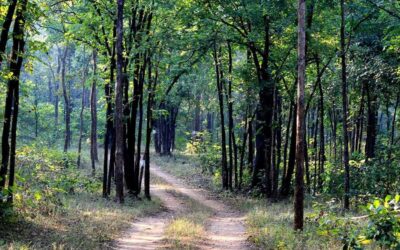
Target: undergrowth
x=57, y=206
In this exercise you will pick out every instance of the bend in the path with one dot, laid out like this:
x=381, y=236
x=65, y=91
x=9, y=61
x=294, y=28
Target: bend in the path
x=226, y=229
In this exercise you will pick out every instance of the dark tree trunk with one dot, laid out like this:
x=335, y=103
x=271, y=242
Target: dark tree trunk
x=232, y=141
x=322, y=156
x=36, y=103
x=151, y=92
x=299, y=189
x=285, y=147
x=131, y=176
x=93, y=114
x=264, y=115
x=197, y=114
x=345, y=106
x=67, y=104
x=142, y=75
x=286, y=184
x=243, y=149
x=81, y=122
x=372, y=122
x=277, y=145
x=119, y=109
x=224, y=164
x=108, y=162
x=12, y=103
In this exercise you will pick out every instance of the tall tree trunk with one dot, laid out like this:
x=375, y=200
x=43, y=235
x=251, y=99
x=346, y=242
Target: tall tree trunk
x=93, y=115
x=345, y=106
x=224, y=164
x=299, y=189
x=243, y=148
x=140, y=124
x=119, y=109
x=151, y=92
x=285, y=190
x=264, y=113
x=36, y=103
x=372, y=121
x=250, y=155
x=322, y=156
x=232, y=141
x=81, y=122
x=286, y=145
x=67, y=104
x=12, y=102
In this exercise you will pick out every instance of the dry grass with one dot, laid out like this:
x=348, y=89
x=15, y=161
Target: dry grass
x=187, y=230
x=86, y=221
x=82, y=220
x=271, y=227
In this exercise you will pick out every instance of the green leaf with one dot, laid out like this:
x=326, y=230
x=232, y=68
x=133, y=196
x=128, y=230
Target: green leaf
x=377, y=203
x=38, y=196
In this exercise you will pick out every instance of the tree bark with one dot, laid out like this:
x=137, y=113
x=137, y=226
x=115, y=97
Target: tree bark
x=285, y=190
x=299, y=189
x=12, y=103
x=81, y=121
x=151, y=92
x=372, y=121
x=119, y=109
x=93, y=115
x=224, y=164
x=67, y=104
x=345, y=106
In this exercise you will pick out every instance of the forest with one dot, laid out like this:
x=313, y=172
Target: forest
x=200, y=124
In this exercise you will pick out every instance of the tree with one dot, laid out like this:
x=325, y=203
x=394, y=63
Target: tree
x=119, y=127
x=12, y=102
x=93, y=113
x=301, y=47
x=346, y=203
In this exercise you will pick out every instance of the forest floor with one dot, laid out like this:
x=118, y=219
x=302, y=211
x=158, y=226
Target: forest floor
x=193, y=219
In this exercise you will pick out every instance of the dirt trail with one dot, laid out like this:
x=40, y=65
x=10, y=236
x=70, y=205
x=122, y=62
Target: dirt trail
x=225, y=229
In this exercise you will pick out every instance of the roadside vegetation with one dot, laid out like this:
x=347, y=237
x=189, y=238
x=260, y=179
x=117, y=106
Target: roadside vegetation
x=63, y=208
x=269, y=224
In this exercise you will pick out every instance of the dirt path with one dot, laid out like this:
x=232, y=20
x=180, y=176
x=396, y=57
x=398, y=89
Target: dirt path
x=225, y=229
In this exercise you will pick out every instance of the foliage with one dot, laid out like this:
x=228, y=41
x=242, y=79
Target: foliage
x=44, y=176
x=380, y=226
x=208, y=151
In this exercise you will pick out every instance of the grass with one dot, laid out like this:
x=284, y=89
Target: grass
x=80, y=219
x=85, y=221
x=187, y=230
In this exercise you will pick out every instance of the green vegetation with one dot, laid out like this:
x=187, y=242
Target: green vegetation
x=63, y=207
x=286, y=110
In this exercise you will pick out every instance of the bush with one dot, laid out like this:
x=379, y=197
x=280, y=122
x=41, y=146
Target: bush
x=43, y=175
x=381, y=228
